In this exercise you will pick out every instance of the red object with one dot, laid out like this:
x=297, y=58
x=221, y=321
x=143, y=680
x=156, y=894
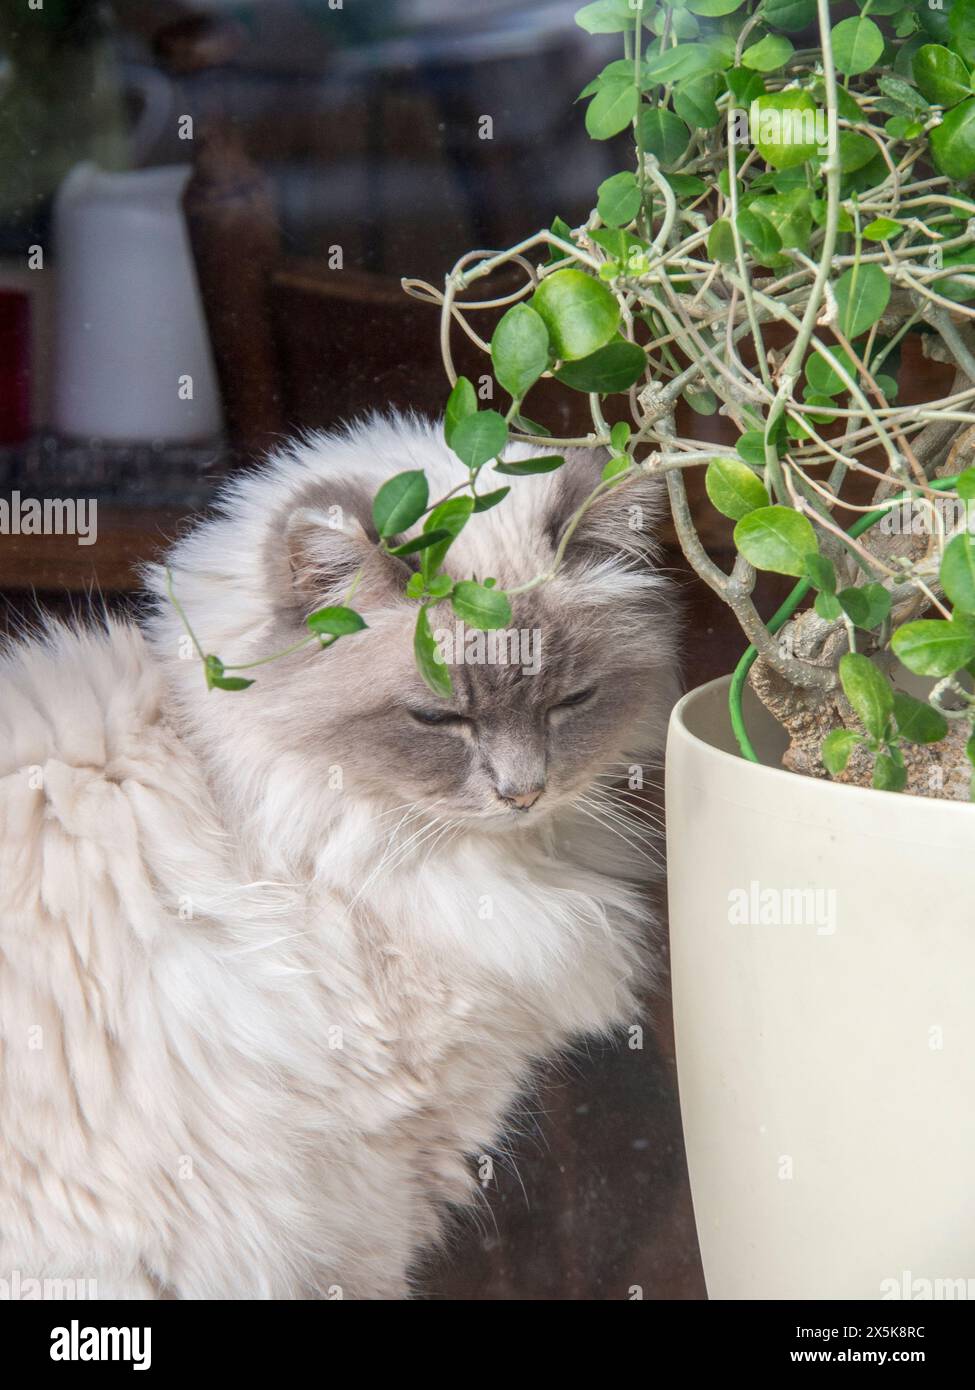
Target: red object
x=14, y=366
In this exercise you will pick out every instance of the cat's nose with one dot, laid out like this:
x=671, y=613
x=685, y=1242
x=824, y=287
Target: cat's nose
x=520, y=801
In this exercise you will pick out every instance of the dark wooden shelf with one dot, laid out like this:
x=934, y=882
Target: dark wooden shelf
x=126, y=538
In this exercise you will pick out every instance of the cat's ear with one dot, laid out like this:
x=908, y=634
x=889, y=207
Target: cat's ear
x=623, y=519
x=326, y=549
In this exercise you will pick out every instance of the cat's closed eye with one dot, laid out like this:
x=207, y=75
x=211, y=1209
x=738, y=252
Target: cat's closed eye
x=578, y=697
x=437, y=716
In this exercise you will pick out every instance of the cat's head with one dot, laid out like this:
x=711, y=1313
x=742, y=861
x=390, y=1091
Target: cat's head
x=581, y=681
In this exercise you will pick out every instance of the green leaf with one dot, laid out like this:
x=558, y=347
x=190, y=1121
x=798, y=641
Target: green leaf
x=611, y=109
x=822, y=378
x=526, y=426
x=790, y=15
x=868, y=691
x=955, y=287
x=713, y=9
x=821, y=573
x=866, y=606
x=721, y=242
x=580, y=313
x=545, y=463
x=461, y=402
x=965, y=486
x=487, y=500
x=857, y=45
x=862, y=295
x=856, y=151
x=622, y=246
x=479, y=606
x=958, y=572
x=882, y=229
x=440, y=586
x=961, y=27
x=917, y=721
x=702, y=402
x=941, y=75
x=733, y=488
x=213, y=670
x=751, y=445
x=519, y=349
x=680, y=23
x=619, y=71
x=420, y=543
x=790, y=213
x=687, y=186
x=902, y=128
x=229, y=683
x=953, y=142
x=786, y=140
x=889, y=775
x=745, y=87
x=887, y=386
x=561, y=229
x=619, y=435
x=450, y=517
x=827, y=607
x=480, y=437
x=903, y=94
x=933, y=646
x=768, y=54
x=682, y=61
x=428, y=657
x=336, y=621
x=400, y=502
x=606, y=17
x=759, y=232
x=776, y=538
x=819, y=210
x=619, y=199
x=825, y=416
x=612, y=368
x=695, y=100
x=619, y=463
x=837, y=748
x=663, y=134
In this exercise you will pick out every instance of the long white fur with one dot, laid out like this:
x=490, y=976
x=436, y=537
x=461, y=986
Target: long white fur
x=236, y=1061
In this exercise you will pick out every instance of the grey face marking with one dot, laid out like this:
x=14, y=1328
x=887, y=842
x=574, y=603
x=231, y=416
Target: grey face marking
x=511, y=745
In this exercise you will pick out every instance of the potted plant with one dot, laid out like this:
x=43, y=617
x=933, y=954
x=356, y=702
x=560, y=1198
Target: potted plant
x=795, y=215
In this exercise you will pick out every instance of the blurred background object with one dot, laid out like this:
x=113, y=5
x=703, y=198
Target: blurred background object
x=14, y=366
x=132, y=356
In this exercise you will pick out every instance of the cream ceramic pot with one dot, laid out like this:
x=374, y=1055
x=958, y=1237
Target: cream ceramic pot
x=823, y=955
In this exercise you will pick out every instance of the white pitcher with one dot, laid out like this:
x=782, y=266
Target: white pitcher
x=132, y=357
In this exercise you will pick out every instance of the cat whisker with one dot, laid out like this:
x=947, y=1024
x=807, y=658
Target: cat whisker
x=626, y=827
x=621, y=813
x=402, y=852
x=587, y=810
x=631, y=804
x=441, y=839
x=647, y=794
x=396, y=850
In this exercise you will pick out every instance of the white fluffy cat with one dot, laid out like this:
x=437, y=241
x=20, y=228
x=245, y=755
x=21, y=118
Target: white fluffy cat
x=274, y=963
